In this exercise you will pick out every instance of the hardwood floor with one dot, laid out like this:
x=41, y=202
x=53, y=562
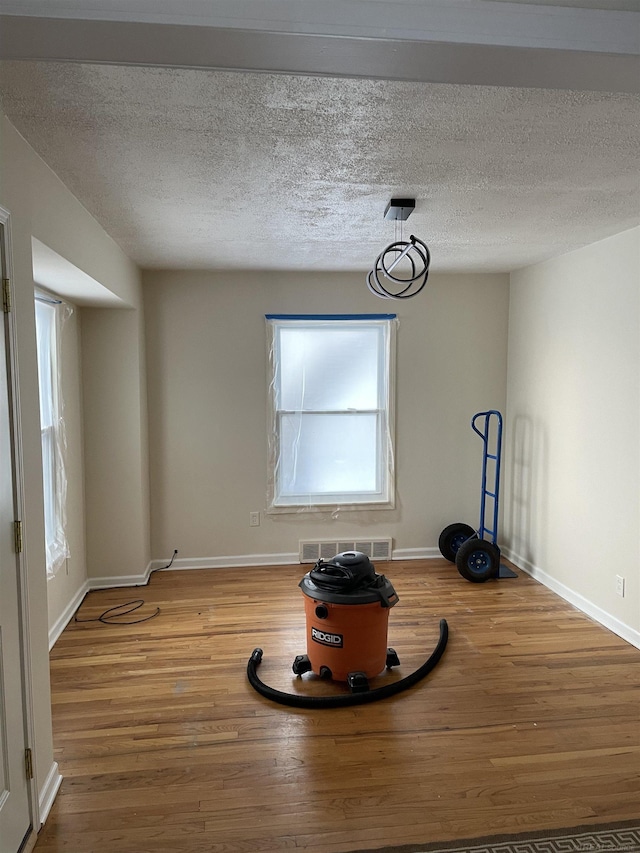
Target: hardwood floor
x=530, y=721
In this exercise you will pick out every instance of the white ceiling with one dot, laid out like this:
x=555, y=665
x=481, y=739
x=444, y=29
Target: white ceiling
x=214, y=168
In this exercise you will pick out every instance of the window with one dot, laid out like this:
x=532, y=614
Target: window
x=52, y=431
x=331, y=412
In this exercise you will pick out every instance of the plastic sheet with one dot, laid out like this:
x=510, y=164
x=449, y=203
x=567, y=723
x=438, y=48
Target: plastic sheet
x=51, y=316
x=331, y=412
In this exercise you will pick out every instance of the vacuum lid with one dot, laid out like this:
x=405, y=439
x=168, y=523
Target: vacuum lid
x=349, y=577
x=357, y=563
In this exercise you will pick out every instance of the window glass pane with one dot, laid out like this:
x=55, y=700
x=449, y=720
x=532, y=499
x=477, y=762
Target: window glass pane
x=329, y=369
x=328, y=454
x=45, y=331
x=49, y=483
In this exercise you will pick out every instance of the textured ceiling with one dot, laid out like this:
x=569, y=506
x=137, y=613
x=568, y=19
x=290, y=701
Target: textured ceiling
x=515, y=125
x=191, y=168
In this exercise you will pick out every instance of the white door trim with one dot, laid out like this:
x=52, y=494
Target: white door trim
x=23, y=587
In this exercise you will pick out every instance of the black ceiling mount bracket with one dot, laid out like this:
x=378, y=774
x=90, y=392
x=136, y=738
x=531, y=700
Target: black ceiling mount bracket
x=400, y=208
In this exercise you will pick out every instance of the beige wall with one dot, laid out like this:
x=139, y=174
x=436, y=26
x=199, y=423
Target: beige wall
x=40, y=206
x=116, y=452
x=573, y=468
x=207, y=374
x=71, y=577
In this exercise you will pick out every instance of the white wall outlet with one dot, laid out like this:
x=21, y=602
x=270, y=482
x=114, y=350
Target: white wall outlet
x=620, y=585
x=254, y=519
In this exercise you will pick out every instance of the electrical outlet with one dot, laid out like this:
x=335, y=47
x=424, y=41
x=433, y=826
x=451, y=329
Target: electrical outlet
x=620, y=585
x=254, y=519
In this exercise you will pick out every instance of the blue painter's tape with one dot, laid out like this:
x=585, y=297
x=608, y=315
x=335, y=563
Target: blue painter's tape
x=330, y=316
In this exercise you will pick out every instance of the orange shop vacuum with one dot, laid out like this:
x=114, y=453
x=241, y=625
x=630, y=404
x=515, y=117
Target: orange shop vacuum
x=347, y=608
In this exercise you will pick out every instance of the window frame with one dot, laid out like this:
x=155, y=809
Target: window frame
x=384, y=496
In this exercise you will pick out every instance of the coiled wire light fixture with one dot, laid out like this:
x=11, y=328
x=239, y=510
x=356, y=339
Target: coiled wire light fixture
x=401, y=270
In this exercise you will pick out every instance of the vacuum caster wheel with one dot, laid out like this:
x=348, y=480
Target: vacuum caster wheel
x=357, y=682
x=392, y=658
x=301, y=664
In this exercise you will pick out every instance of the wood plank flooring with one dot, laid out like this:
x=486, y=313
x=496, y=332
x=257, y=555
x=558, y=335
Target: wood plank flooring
x=530, y=721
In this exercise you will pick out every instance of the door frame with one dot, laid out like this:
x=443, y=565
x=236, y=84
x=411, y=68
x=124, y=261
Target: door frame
x=19, y=510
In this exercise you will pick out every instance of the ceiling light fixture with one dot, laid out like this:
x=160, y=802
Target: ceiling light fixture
x=401, y=270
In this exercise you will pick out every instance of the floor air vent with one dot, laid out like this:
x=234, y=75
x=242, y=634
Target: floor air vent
x=325, y=549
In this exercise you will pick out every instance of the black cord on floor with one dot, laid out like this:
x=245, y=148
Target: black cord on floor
x=111, y=616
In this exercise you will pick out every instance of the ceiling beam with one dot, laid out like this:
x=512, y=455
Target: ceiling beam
x=509, y=24
x=185, y=46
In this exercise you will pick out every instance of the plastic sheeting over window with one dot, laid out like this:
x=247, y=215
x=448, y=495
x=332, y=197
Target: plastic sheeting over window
x=50, y=316
x=330, y=412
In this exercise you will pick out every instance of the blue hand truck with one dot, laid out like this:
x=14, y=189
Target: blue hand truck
x=476, y=552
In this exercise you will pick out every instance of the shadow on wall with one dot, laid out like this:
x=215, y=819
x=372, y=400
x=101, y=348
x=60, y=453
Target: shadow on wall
x=526, y=510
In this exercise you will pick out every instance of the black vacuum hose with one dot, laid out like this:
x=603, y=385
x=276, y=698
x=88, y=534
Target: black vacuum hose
x=342, y=700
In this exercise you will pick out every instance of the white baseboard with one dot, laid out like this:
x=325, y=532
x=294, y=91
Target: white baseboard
x=593, y=610
x=285, y=559
x=48, y=791
x=240, y=561
x=65, y=617
x=108, y=582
